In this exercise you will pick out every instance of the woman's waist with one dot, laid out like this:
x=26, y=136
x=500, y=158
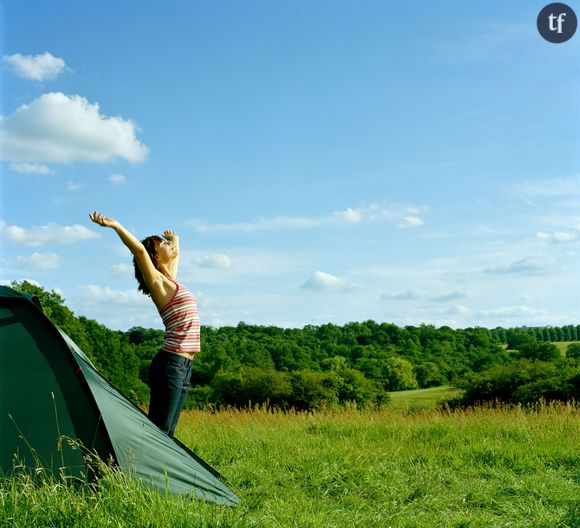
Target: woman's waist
x=182, y=354
x=187, y=343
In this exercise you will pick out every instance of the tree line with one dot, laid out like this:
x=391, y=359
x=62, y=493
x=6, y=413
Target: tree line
x=327, y=365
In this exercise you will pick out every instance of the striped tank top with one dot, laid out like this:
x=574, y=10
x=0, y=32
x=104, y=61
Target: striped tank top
x=181, y=320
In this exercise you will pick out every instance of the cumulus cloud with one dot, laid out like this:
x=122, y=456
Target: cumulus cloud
x=369, y=214
x=104, y=294
x=35, y=262
x=560, y=237
x=117, y=180
x=526, y=266
x=352, y=216
x=31, y=168
x=75, y=186
x=218, y=260
x=42, y=67
x=122, y=270
x=46, y=235
x=261, y=224
x=57, y=128
x=320, y=280
x=410, y=221
x=458, y=309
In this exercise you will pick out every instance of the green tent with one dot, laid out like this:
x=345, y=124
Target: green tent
x=50, y=390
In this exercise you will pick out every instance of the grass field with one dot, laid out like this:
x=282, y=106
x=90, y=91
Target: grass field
x=563, y=345
x=422, y=399
x=390, y=468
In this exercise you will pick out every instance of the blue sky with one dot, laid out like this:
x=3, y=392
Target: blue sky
x=321, y=161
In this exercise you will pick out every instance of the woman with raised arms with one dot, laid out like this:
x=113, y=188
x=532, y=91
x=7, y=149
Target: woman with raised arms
x=155, y=260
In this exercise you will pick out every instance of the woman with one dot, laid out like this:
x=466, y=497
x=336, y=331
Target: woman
x=155, y=260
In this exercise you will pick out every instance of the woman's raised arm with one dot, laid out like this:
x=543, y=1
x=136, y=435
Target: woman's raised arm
x=151, y=276
x=173, y=238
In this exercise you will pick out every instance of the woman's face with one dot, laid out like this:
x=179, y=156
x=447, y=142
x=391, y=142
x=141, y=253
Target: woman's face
x=166, y=252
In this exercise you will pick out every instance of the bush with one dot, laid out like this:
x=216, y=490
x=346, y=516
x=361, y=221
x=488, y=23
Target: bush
x=573, y=351
x=523, y=382
x=199, y=397
x=311, y=390
x=429, y=375
x=252, y=385
x=351, y=386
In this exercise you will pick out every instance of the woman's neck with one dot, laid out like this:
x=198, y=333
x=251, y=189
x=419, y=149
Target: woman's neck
x=167, y=271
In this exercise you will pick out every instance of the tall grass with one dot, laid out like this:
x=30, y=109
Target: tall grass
x=488, y=467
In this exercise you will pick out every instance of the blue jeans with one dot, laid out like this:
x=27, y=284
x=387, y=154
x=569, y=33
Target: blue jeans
x=169, y=379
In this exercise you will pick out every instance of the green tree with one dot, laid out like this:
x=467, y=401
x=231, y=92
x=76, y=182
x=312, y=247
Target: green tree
x=541, y=350
x=516, y=338
x=429, y=375
x=351, y=386
x=523, y=381
x=400, y=375
x=311, y=390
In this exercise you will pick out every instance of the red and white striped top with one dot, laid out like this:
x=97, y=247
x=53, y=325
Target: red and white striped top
x=181, y=320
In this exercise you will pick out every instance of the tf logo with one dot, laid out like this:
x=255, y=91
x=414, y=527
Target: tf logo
x=557, y=23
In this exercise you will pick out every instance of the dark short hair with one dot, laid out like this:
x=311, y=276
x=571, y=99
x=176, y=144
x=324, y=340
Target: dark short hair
x=151, y=244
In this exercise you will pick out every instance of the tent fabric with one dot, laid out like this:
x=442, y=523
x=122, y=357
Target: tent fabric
x=49, y=388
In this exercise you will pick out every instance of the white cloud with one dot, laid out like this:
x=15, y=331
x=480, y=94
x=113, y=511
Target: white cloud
x=122, y=270
x=233, y=265
x=526, y=266
x=418, y=294
x=410, y=221
x=369, y=214
x=117, y=179
x=262, y=224
x=46, y=235
x=42, y=67
x=458, y=309
x=75, y=186
x=8, y=282
x=450, y=296
x=104, y=294
x=409, y=295
x=218, y=260
x=31, y=168
x=62, y=129
x=352, y=216
x=320, y=280
x=511, y=311
x=116, y=308
x=560, y=237
x=35, y=262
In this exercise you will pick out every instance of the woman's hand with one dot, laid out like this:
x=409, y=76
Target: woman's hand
x=170, y=235
x=104, y=221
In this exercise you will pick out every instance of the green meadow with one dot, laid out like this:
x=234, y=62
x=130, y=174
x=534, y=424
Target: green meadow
x=563, y=345
x=422, y=399
x=404, y=466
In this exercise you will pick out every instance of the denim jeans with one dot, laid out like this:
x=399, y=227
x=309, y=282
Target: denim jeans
x=169, y=379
